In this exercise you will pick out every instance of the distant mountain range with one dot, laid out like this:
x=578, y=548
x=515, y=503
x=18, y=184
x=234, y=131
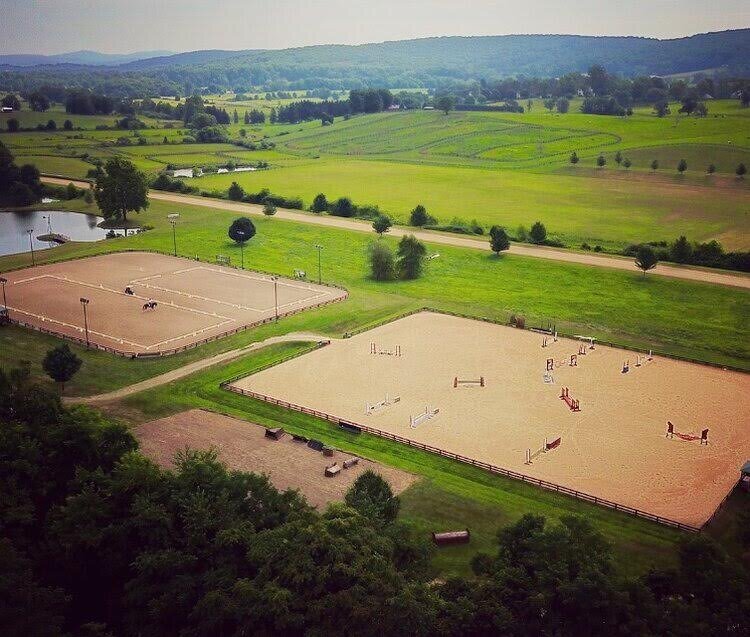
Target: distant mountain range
x=83, y=58
x=428, y=62
x=490, y=56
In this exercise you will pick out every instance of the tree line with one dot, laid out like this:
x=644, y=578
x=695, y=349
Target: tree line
x=100, y=540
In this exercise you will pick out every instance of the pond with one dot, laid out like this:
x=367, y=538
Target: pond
x=75, y=225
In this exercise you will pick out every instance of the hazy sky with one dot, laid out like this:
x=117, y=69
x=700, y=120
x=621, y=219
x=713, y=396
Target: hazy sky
x=121, y=26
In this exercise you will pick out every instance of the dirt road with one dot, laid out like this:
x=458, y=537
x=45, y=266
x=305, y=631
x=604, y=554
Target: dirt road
x=618, y=263
x=191, y=368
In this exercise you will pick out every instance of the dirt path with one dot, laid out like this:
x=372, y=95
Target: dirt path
x=191, y=368
x=618, y=263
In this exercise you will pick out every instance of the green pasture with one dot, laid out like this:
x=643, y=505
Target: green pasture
x=596, y=209
x=701, y=321
x=497, y=168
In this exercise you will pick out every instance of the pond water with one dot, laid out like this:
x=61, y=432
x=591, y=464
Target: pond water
x=77, y=226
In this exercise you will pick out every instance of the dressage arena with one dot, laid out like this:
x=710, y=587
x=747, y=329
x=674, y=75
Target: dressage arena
x=243, y=446
x=483, y=391
x=194, y=301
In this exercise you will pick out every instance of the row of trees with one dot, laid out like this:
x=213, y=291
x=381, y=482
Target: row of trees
x=99, y=540
x=19, y=185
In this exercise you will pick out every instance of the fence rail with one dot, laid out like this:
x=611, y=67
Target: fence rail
x=508, y=473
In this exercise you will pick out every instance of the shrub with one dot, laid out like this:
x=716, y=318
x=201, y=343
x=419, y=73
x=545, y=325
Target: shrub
x=382, y=261
x=418, y=216
x=538, y=233
x=320, y=203
x=343, y=207
x=235, y=192
x=411, y=253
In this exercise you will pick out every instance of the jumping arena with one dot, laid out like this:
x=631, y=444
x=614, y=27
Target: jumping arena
x=652, y=435
x=143, y=303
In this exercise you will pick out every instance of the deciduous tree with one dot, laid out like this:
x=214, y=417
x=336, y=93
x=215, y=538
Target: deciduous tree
x=121, y=189
x=61, y=364
x=241, y=230
x=411, y=254
x=381, y=224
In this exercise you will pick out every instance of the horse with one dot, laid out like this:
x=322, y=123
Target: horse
x=129, y=290
x=150, y=305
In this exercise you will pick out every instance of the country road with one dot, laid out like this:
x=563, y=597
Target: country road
x=716, y=277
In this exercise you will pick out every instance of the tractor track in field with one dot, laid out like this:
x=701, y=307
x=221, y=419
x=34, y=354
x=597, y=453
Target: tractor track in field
x=702, y=275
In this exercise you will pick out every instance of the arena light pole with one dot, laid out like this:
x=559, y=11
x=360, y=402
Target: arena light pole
x=31, y=245
x=3, y=281
x=173, y=220
x=84, y=303
x=275, y=280
x=319, y=249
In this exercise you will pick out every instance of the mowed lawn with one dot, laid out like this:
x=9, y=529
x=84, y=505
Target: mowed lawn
x=700, y=321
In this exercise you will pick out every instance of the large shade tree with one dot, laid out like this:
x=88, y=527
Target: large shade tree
x=121, y=189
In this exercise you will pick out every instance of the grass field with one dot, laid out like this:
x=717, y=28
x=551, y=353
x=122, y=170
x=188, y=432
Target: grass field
x=500, y=168
x=696, y=320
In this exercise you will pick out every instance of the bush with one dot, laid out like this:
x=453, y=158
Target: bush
x=343, y=207
x=382, y=261
x=538, y=233
x=419, y=217
x=411, y=253
x=320, y=203
x=235, y=192
x=165, y=182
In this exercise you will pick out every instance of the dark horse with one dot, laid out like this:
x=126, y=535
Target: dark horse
x=150, y=305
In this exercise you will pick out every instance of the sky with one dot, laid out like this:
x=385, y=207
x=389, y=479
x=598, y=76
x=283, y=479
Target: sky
x=124, y=26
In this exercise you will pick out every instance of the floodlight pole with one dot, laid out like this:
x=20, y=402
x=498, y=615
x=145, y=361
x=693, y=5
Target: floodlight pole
x=275, y=280
x=242, y=254
x=31, y=245
x=84, y=303
x=173, y=220
x=3, y=281
x=320, y=249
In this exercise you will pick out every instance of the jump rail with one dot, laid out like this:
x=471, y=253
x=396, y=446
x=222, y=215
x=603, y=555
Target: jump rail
x=508, y=473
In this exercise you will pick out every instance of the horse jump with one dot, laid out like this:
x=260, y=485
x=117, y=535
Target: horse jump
x=570, y=402
x=551, y=363
x=396, y=351
x=468, y=381
x=415, y=421
x=547, y=446
x=386, y=402
x=671, y=433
